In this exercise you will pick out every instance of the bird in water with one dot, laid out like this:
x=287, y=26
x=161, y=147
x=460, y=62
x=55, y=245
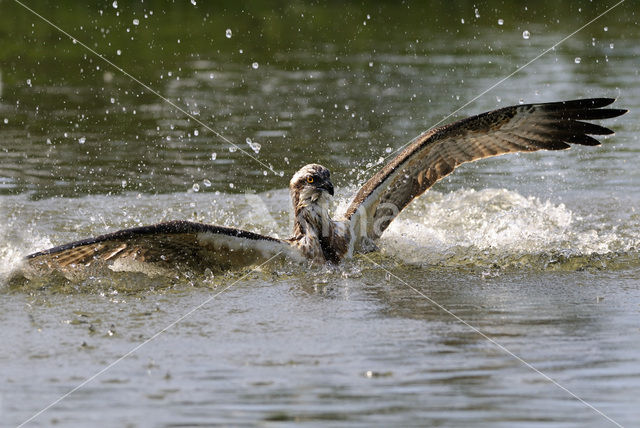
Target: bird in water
x=163, y=247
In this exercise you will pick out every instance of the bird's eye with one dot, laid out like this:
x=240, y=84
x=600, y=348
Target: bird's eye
x=309, y=179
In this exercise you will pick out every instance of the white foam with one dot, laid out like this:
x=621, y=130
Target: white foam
x=468, y=226
x=16, y=240
x=462, y=228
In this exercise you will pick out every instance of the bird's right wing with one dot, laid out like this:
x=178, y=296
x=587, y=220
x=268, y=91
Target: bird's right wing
x=437, y=152
x=159, y=249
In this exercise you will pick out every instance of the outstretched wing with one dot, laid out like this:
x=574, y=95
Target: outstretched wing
x=159, y=249
x=437, y=152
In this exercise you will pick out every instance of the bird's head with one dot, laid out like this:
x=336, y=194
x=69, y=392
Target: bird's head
x=310, y=184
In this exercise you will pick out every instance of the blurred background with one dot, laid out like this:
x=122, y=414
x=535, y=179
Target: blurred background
x=339, y=83
x=539, y=251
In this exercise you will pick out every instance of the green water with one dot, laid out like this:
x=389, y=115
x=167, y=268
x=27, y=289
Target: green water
x=539, y=252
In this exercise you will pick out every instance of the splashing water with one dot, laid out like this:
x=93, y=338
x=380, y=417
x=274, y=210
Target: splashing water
x=16, y=242
x=496, y=228
x=491, y=229
x=254, y=146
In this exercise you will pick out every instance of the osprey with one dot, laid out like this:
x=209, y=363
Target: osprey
x=161, y=248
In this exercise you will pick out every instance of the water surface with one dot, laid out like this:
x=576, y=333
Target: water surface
x=538, y=251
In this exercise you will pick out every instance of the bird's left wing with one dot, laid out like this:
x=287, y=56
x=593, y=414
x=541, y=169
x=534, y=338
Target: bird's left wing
x=437, y=152
x=159, y=249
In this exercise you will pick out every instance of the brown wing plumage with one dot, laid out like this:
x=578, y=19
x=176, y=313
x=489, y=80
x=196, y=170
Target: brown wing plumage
x=159, y=249
x=437, y=152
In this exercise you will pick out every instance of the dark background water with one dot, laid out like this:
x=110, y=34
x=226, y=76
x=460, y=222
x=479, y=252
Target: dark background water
x=332, y=86
x=538, y=251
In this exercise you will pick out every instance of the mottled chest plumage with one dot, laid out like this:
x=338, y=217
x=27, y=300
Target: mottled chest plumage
x=317, y=236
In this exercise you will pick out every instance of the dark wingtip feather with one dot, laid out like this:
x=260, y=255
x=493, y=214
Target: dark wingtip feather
x=577, y=126
x=580, y=104
x=581, y=139
x=587, y=114
x=613, y=112
x=590, y=103
x=582, y=109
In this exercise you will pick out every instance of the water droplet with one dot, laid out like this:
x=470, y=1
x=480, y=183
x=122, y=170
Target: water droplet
x=477, y=13
x=526, y=34
x=255, y=65
x=6, y=120
x=254, y=146
x=113, y=100
x=388, y=150
x=214, y=155
x=196, y=132
x=606, y=28
x=231, y=185
x=611, y=45
x=211, y=76
x=136, y=21
x=233, y=149
x=228, y=33
x=82, y=140
x=206, y=182
x=195, y=187
x=462, y=21
x=124, y=183
x=193, y=2
x=500, y=21
x=118, y=52
x=577, y=60
x=114, y=4
x=370, y=63
x=29, y=82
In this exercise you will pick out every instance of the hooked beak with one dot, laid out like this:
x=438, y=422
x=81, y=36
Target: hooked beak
x=328, y=186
